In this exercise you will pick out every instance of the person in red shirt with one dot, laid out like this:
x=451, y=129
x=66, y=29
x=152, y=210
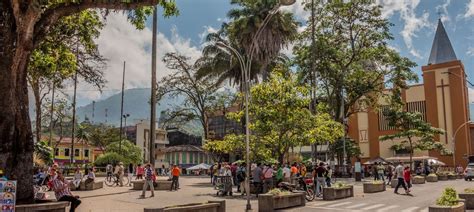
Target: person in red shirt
x=407, y=177
x=175, y=173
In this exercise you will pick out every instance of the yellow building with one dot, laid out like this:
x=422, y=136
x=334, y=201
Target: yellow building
x=442, y=99
x=83, y=152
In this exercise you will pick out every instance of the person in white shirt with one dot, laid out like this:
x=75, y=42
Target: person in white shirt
x=90, y=177
x=401, y=180
x=77, y=179
x=286, y=174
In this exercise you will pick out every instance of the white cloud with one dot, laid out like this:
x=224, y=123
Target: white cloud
x=413, y=23
x=470, y=9
x=119, y=41
x=298, y=10
x=207, y=30
x=470, y=51
x=443, y=10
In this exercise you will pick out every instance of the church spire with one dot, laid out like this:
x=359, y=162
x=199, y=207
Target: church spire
x=442, y=50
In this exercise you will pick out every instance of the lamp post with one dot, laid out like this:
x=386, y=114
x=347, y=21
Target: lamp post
x=453, y=139
x=246, y=65
x=125, y=116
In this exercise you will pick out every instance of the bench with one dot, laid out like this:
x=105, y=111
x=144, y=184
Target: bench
x=160, y=185
x=46, y=207
x=91, y=186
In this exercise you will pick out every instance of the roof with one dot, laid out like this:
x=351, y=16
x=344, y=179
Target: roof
x=183, y=148
x=442, y=51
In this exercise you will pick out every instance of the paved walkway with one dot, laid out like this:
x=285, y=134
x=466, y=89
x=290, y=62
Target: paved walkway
x=196, y=189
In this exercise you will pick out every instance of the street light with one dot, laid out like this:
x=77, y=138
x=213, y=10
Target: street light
x=125, y=116
x=246, y=65
x=452, y=140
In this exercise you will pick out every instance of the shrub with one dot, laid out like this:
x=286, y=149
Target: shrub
x=277, y=192
x=448, y=198
x=469, y=190
x=419, y=177
x=377, y=182
x=433, y=175
x=340, y=185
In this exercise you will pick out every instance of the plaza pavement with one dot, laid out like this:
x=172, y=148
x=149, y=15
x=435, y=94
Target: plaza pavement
x=199, y=189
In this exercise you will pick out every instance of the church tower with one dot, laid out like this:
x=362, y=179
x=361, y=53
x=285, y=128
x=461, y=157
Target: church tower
x=446, y=96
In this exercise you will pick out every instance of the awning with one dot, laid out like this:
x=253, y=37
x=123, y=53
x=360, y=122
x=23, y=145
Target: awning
x=376, y=160
x=407, y=158
x=201, y=166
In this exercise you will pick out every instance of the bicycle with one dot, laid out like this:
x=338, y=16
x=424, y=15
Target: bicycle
x=113, y=181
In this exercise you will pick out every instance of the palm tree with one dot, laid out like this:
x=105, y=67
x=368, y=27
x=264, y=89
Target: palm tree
x=247, y=19
x=220, y=63
x=83, y=135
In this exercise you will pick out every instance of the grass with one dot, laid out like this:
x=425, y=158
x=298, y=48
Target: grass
x=278, y=192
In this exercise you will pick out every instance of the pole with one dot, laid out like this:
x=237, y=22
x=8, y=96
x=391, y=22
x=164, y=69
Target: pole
x=453, y=140
x=121, y=109
x=73, y=118
x=153, y=88
x=93, y=111
x=51, y=123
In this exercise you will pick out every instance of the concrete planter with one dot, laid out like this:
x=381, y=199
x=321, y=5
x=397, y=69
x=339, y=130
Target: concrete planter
x=161, y=185
x=442, y=177
x=469, y=197
x=49, y=206
x=418, y=180
x=270, y=202
x=89, y=187
x=338, y=193
x=457, y=208
x=374, y=187
x=452, y=177
x=210, y=206
x=432, y=178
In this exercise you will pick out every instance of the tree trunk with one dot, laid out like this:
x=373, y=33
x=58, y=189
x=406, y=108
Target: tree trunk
x=16, y=141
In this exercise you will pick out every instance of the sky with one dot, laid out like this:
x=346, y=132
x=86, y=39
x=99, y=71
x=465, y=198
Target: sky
x=414, y=27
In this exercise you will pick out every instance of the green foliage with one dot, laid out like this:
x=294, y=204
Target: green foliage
x=469, y=190
x=280, y=121
x=336, y=149
x=350, y=55
x=339, y=185
x=129, y=154
x=44, y=152
x=278, y=192
x=248, y=18
x=448, y=198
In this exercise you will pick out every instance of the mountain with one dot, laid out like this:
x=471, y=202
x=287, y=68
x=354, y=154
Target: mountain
x=136, y=103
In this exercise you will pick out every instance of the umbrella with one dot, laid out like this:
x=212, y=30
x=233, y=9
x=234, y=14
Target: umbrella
x=199, y=167
x=436, y=162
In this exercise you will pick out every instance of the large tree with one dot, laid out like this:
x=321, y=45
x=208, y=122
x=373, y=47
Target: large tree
x=349, y=54
x=69, y=47
x=246, y=21
x=23, y=26
x=280, y=121
x=199, y=94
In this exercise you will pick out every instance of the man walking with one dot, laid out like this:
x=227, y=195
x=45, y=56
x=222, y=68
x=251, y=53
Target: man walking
x=148, y=181
x=119, y=172
x=390, y=169
x=174, y=181
x=400, y=177
x=318, y=175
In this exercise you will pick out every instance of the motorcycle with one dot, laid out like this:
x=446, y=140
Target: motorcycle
x=302, y=185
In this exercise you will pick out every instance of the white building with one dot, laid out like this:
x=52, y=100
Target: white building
x=142, y=140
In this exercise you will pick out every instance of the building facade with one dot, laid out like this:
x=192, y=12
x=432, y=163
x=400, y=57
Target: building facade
x=83, y=151
x=220, y=126
x=142, y=139
x=186, y=155
x=442, y=99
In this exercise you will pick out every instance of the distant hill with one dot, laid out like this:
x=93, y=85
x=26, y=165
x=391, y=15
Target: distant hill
x=136, y=103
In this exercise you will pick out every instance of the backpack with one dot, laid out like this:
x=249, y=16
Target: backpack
x=240, y=175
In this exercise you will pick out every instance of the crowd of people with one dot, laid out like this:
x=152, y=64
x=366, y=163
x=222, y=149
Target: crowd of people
x=266, y=176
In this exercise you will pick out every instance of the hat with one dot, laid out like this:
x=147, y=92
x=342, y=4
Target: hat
x=120, y=163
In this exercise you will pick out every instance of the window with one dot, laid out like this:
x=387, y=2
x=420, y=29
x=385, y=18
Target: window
x=184, y=158
x=167, y=157
x=76, y=153
x=86, y=153
x=56, y=152
x=191, y=157
x=66, y=152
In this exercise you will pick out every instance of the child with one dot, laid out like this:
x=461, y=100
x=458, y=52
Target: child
x=407, y=177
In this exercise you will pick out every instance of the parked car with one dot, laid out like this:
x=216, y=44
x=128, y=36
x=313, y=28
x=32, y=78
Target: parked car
x=469, y=172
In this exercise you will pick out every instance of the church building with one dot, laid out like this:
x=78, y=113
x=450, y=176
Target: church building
x=443, y=101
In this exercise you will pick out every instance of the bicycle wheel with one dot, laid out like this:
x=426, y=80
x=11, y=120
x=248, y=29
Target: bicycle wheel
x=110, y=181
x=309, y=194
x=125, y=181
